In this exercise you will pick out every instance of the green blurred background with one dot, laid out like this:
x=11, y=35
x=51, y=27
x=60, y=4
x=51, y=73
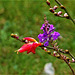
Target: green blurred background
x=25, y=17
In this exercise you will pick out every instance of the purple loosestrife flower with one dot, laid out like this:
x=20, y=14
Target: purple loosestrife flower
x=49, y=33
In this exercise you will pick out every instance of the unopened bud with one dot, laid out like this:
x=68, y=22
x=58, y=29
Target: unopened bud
x=55, y=13
x=45, y=49
x=66, y=51
x=55, y=44
x=59, y=13
x=67, y=58
x=66, y=15
x=54, y=53
x=58, y=56
x=62, y=7
x=51, y=10
x=49, y=52
x=73, y=60
x=23, y=40
x=55, y=7
x=48, y=2
x=14, y=36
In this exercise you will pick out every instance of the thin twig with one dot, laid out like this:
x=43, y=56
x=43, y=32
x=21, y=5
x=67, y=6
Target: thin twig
x=69, y=65
x=65, y=11
x=63, y=59
x=60, y=51
x=68, y=54
x=58, y=2
x=72, y=56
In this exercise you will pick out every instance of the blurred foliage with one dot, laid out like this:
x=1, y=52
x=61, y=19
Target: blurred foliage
x=25, y=18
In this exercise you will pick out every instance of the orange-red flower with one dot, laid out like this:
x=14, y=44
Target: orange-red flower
x=29, y=47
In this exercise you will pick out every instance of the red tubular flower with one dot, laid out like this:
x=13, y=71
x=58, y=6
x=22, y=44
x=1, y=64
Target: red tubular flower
x=29, y=47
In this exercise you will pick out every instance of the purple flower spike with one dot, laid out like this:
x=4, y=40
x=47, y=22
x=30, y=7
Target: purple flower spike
x=55, y=35
x=48, y=33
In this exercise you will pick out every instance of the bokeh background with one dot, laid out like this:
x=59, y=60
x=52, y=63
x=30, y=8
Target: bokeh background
x=25, y=17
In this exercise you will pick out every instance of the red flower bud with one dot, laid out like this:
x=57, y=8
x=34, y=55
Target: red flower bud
x=14, y=36
x=59, y=13
x=30, y=39
x=55, y=7
x=48, y=2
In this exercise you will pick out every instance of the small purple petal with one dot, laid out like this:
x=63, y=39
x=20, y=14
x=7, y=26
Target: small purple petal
x=46, y=43
x=44, y=34
x=55, y=35
x=50, y=37
x=52, y=28
x=40, y=36
x=43, y=25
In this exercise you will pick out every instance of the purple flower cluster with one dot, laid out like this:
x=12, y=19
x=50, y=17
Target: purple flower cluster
x=48, y=34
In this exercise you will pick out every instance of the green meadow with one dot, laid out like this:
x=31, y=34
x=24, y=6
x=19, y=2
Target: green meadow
x=25, y=17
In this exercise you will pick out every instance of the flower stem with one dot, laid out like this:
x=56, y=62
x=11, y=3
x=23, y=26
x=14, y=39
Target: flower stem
x=69, y=66
x=63, y=59
x=65, y=11
x=68, y=54
x=72, y=56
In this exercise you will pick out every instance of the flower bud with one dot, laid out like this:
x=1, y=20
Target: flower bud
x=48, y=2
x=66, y=15
x=55, y=13
x=67, y=58
x=59, y=13
x=73, y=60
x=23, y=40
x=62, y=7
x=51, y=10
x=58, y=56
x=54, y=53
x=49, y=52
x=66, y=51
x=14, y=36
x=55, y=7
x=45, y=48
x=55, y=44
